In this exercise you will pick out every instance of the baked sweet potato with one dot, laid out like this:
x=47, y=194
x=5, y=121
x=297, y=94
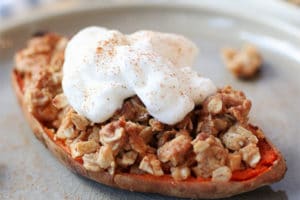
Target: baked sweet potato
x=272, y=170
x=269, y=169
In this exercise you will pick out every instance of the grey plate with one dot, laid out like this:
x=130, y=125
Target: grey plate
x=29, y=171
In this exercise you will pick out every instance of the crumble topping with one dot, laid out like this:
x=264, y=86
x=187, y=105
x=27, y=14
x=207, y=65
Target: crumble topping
x=176, y=149
x=212, y=141
x=244, y=63
x=210, y=155
x=151, y=165
x=105, y=158
x=221, y=174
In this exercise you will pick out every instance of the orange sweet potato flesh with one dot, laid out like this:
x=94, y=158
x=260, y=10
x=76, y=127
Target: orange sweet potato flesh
x=270, y=169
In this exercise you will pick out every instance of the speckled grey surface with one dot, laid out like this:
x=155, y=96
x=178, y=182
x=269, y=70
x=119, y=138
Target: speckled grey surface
x=29, y=171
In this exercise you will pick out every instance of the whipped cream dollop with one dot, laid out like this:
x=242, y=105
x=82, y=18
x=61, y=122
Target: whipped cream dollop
x=104, y=67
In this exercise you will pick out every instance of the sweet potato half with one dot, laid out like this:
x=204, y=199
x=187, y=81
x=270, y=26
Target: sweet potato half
x=271, y=168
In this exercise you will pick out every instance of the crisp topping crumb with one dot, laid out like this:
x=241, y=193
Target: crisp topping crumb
x=244, y=63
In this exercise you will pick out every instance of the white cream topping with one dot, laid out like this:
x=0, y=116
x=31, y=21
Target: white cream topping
x=104, y=67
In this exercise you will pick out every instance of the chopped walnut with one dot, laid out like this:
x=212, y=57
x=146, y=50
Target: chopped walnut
x=151, y=165
x=113, y=134
x=234, y=141
x=244, y=63
x=94, y=134
x=79, y=148
x=89, y=162
x=79, y=121
x=237, y=137
x=208, y=158
x=220, y=124
x=136, y=140
x=221, y=174
x=251, y=154
x=60, y=116
x=66, y=132
x=175, y=150
x=127, y=158
x=180, y=173
x=251, y=138
x=200, y=146
x=156, y=125
x=106, y=158
x=60, y=101
x=213, y=125
x=81, y=137
x=107, y=137
x=66, y=128
x=147, y=134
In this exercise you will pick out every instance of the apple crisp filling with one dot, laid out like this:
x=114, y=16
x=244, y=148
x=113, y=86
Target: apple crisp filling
x=212, y=141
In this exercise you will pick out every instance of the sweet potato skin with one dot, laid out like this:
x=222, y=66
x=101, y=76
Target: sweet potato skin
x=191, y=188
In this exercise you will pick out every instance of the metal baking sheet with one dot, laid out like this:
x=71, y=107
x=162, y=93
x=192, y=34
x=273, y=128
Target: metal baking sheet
x=29, y=171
